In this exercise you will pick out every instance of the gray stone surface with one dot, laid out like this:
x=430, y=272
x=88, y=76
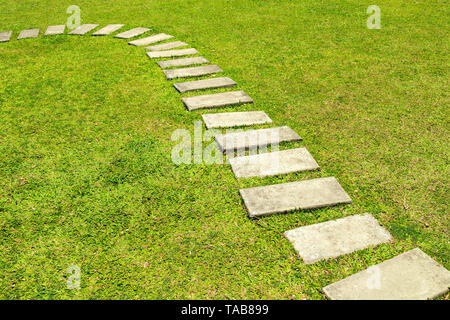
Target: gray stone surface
x=5, y=36
x=335, y=238
x=183, y=62
x=412, y=275
x=55, y=30
x=83, y=29
x=278, y=198
x=216, y=100
x=191, y=72
x=171, y=53
x=110, y=28
x=131, y=33
x=167, y=46
x=151, y=39
x=30, y=33
x=213, y=83
x=273, y=163
x=254, y=139
x=234, y=119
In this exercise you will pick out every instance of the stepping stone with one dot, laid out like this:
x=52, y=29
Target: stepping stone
x=191, y=72
x=182, y=62
x=278, y=198
x=216, y=100
x=412, y=275
x=253, y=139
x=131, y=33
x=234, y=119
x=30, y=33
x=55, y=30
x=151, y=39
x=83, y=29
x=172, y=53
x=5, y=36
x=335, y=238
x=110, y=28
x=204, y=84
x=273, y=163
x=167, y=46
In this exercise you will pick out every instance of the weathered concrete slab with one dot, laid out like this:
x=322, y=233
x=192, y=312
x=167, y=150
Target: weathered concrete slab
x=273, y=163
x=213, y=83
x=171, y=53
x=5, y=36
x=83, y=29
x=335, y=238
x=131, y=33
x=254, y=139
x=412, y=275
x=30, y=33
x=182, y=62
x=110, y=28
x=55, y=30
x=191, y=72
x=216, y=100
x=167, y=46
x=278, y=198
x=234, y=119
x=151, y=39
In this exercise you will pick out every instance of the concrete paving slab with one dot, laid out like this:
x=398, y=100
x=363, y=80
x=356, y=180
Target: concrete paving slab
x=216, y=100
x=213, y=83
x=131, y=33
x=279, y=198
x=273, y=163
x=191, y=72
x=30, y=33
x=167, y=46
x=183, y=62
x=55, y=30
x=5, y=36
x=151, y=39
x=335, y=238
x=234, y=119
x=83, y=29
x=171, y=53
x=110, y=28
x=412, y=275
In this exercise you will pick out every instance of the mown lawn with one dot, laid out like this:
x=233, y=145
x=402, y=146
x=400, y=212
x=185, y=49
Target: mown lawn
x=86, y=176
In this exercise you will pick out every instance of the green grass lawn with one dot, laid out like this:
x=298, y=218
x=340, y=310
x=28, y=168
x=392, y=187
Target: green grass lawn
x=86, y=176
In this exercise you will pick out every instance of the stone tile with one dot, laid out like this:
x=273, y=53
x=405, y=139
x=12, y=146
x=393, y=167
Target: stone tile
x=182, y=62
x=191, y=72
x=172, y=53
x=167, y=46
x=335, y=238
x=273, y=163
x=412, y=275
x=234, y=119
x=83, y=29
x=131, y=33
x=213, y=83
x=110, y=28
x=216, y=100
x=5, y=36
x=30, y=33
x=55, y=30
x=278, y=198
x=255, y=139
x=151, y=39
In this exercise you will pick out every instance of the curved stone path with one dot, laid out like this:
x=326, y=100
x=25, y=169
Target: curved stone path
x=411, y=275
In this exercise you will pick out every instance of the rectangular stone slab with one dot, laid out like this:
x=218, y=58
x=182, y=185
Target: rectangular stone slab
x=253, y=139
x=273, y=163
x=413, y=275
x=151, y=39
x=213, y=83
x=233, y=119
x=171, y=53
x=167, y=46
x=5, y=36
x=216, y=100
x=83, y=29
x=30, y=33
x=55, y=30
x=110, y=28
x=335, y=238
x=279, y=198
x=131, y=33
x=191, y=72
x=182, y=62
